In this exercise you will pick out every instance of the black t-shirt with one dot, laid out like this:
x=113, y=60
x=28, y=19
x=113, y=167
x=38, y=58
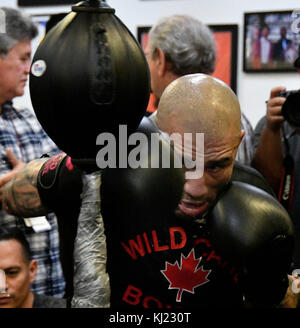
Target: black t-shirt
x=161, y=263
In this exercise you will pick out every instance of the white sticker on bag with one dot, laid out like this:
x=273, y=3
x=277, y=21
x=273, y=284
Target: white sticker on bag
x=38, y=68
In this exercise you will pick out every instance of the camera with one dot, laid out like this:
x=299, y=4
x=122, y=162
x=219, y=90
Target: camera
x=291, y=107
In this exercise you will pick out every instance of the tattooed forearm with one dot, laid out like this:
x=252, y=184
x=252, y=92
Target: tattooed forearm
x=20, y=195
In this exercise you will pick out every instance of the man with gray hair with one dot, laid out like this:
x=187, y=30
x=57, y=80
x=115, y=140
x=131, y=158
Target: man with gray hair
x=179, y=45
x=22, y=139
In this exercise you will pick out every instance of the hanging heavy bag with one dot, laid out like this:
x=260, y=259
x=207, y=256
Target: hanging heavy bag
x=88, y=76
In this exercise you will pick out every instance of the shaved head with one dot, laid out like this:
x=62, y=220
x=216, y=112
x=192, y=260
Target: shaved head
x=199, y=103
x=195, y=104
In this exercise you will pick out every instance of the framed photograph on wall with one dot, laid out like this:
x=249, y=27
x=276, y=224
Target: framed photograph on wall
x=226, y=37
x=271, y=42
x=32, y=3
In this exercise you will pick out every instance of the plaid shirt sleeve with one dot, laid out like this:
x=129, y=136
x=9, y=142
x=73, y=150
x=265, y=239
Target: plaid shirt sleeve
x=21, y=131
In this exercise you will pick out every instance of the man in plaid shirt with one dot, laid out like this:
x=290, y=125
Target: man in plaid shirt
x=22, y=139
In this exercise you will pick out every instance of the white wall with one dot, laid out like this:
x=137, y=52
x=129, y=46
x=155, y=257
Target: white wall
x=252, y=88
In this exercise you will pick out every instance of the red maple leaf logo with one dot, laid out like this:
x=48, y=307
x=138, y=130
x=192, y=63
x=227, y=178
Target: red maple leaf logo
x=186, y=276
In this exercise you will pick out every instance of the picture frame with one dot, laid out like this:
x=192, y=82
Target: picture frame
x=142, y=35
x=33, y=3
x=226, y=37
x=270, y=42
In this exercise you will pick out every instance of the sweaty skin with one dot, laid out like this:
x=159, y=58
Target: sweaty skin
x=199, y=103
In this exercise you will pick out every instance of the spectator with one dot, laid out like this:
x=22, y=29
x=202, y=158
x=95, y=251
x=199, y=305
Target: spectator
x=20, y=271
x=22, y=139
x=274, y=139
x=180, y=45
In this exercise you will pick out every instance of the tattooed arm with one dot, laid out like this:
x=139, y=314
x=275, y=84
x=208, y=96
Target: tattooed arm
x=42, y=186
x=20, y=196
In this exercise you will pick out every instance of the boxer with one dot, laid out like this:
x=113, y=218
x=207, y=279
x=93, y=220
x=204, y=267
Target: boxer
x=203, y=254
x=210, y=244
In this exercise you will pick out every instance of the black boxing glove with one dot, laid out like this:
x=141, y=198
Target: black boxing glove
x=251, y=228
x=59, y=183
x=145, y=189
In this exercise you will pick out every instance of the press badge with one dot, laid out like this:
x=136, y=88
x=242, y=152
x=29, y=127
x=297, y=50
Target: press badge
x=38, y=224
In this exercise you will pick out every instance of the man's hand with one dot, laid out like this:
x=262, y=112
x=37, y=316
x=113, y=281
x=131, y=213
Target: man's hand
x=269, y=154
x=274, y=106
x=17, y=166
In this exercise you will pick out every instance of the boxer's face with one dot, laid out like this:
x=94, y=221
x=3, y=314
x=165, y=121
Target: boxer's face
x=19, y=274
x=199, y=195
x=199, y=104
x=14, y=70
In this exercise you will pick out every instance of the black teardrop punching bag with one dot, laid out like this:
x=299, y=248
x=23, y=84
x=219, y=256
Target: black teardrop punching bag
x=88, y=76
